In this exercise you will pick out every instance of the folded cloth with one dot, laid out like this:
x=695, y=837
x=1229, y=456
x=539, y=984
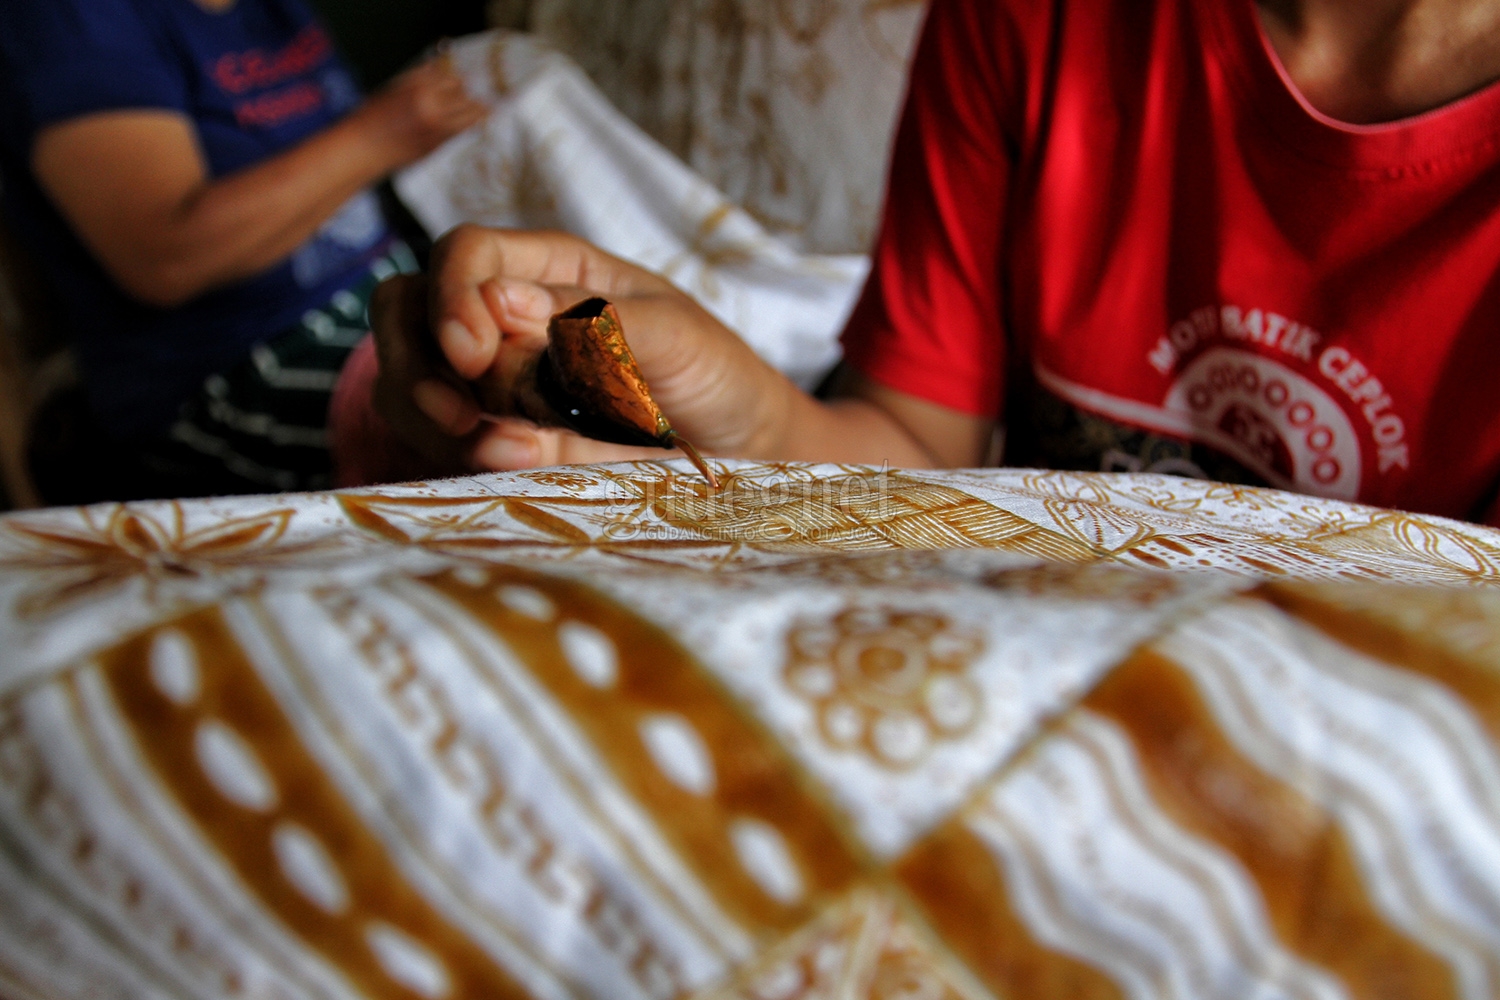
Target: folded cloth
x=555, y=154
x=788, y=108
x=602, y=732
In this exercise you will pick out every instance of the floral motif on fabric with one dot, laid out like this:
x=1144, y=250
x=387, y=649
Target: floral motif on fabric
x=117, y=544
x=890, y=683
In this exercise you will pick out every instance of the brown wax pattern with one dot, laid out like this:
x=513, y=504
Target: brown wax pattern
x=233, y=695
x=1433, y=640
x=1293, y=848
x=754, y=779
x=961, y=887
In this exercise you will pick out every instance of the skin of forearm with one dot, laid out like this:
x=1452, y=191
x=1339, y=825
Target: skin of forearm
x=793, y=426
x=489, y=288
x=135, y=188
x=247, y=222
x=858, y=432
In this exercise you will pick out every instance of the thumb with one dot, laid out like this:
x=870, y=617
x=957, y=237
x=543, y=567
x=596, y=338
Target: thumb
x=518, y=444
x=522, y=309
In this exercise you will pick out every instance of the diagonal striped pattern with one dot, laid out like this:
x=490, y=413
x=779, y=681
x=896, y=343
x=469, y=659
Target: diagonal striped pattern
x=235, y=764
x=467, y=740
x=1399, y=761
x=1098, y=871
x=764, y=845
x=1302, y=864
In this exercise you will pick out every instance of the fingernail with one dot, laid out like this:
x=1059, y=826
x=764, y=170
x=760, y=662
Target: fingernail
x=525, y=300
x=508, y=450
x=456, y=339
x=440, y=402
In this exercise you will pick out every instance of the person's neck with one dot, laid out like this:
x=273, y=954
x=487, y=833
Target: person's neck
x=1369, y=61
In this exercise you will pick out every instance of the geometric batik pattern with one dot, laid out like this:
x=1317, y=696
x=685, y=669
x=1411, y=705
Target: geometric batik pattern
x=822, y=732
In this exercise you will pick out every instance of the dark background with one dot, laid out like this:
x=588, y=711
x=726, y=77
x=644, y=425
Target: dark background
x=381, y=36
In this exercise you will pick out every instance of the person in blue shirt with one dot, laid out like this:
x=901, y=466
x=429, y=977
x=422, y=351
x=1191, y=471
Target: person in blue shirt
x=194, y=176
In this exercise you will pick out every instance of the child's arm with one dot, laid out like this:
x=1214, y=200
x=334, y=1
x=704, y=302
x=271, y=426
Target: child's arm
x=488, y=288
x=134, y=185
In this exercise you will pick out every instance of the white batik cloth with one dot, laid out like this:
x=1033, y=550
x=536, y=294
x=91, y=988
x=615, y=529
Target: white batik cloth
x=827, y=732
x=556, y=154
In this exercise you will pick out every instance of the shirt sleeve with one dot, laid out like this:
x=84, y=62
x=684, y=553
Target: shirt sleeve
x=929, y=321
x=69, y=58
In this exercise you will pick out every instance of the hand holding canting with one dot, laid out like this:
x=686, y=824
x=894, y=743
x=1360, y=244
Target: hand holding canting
x=484, y=310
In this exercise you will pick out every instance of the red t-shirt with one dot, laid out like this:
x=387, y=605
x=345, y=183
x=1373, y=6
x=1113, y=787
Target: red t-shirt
x=1115, y=225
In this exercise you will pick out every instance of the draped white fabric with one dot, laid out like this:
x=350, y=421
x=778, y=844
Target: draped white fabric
x=785, y=106
x=555, y=153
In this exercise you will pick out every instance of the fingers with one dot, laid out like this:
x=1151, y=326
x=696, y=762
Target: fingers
x=414, y=392
x=466, y=115
x=450, y=108
x=472, y=305
x=418, y=396
x=483, y=287
x=424, y=107
x=490, y=297
x=517, y=444
x=454, y=412
x=395, y=309
x=448, y=115
x=468, y=332
x=523, y=310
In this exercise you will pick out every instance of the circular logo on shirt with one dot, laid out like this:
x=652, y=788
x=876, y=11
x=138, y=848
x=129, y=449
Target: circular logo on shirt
x=1270, y=419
